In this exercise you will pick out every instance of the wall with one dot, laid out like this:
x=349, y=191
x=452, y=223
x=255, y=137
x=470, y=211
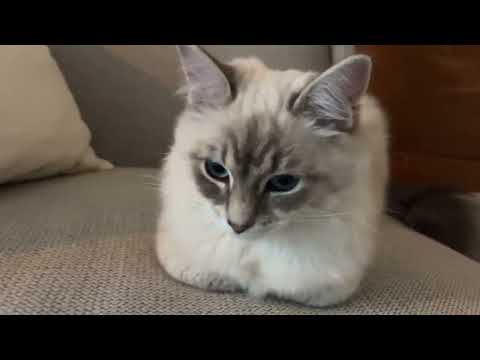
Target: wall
x=126, y=92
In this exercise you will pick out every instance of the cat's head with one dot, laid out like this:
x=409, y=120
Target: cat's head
x=269, y=147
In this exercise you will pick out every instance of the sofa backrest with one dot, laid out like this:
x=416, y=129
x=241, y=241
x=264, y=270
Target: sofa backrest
x=126, y=93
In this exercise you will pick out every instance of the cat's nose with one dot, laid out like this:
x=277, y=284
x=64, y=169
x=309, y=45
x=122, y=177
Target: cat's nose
x=239, y=229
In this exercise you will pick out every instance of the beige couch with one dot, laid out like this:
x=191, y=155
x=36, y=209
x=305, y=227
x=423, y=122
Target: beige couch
x=84, y=244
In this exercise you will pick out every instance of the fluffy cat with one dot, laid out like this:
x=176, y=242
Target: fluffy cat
x=276, y=180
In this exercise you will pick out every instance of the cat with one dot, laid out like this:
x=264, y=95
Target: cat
x=276, y=180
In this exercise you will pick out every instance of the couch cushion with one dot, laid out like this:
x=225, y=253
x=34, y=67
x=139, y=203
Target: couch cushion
x=84, y=245
x=42, y=132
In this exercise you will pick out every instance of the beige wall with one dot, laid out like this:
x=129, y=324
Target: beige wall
x=126, y=92
x=341, y=52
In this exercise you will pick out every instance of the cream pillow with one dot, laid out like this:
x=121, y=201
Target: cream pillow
x=41, y=130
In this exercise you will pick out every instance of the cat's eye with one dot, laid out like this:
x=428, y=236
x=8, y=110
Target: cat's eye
x=282, y=184
x=216, y=171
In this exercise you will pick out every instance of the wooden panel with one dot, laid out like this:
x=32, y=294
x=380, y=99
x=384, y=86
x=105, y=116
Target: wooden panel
x=432, y=94
x=438, y=172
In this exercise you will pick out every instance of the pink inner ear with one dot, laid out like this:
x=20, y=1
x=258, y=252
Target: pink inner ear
x=207, y=85
x=335, y=96
x=354, y=77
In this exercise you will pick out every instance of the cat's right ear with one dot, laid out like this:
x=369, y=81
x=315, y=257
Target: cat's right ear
x=330, y=103
x=207, y=79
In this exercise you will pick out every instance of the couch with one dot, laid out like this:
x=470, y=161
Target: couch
x=83, y=245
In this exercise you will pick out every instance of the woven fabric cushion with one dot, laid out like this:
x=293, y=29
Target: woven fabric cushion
x=84, y=245
x=42, y=133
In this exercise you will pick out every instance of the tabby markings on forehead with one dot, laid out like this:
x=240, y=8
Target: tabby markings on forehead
x=251, y=148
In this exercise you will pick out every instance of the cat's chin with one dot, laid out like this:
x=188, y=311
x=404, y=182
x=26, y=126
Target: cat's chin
x=262, y=232
x=250, y=235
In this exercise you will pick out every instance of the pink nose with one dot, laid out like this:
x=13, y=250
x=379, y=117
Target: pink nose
x=239, y=229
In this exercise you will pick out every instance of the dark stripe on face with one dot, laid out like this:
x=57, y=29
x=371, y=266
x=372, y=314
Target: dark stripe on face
x=249, y=201
x=260, y=157
x=249, y=146
x=276, y=148
x=265, y=153
x=207, y=187
x=277, y=158
x=234, y=146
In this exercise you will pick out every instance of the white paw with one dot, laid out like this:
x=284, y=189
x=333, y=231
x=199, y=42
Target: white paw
x=202, y=280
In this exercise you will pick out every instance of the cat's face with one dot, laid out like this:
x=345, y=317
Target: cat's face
x=268, y=148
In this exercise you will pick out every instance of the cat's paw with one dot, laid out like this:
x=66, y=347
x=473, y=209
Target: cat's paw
x=222, y=285
x=328, y=296
x=204, y=281
x=211, y=282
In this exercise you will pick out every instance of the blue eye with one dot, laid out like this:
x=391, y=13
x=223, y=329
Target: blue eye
x=282, y=184
x=216, y=171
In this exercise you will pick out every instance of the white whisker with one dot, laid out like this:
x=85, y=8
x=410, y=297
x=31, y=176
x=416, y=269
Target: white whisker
x=323, y=216
x=311, y=219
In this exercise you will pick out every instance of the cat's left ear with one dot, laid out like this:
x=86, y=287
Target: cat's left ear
x=208, y=80
x=330, y=102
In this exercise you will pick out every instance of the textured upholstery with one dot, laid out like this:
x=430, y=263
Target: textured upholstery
x=84, y=245
x=450, y=218
x=126, y=93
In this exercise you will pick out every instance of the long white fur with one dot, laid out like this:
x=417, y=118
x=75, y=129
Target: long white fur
x=320, y=262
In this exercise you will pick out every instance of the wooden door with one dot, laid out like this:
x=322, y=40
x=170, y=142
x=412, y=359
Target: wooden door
x=432, y=94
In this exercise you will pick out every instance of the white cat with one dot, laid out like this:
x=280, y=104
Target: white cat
x=276, y=181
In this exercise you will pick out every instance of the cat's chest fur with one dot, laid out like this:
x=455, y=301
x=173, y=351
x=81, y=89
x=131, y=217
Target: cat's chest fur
x=297, y=260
